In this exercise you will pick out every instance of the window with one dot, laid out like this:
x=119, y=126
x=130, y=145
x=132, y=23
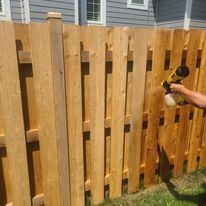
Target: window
x=93, y=11
x=5, y=12
x=1, y=7
x=138, y=4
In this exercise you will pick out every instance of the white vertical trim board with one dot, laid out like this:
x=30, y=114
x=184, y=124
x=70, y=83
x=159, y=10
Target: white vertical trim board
x=83, y=11
x=26, y=11
x=76, y=11
x=5, y=15
x=188, y=12
x=103, y=12
x=157, y=2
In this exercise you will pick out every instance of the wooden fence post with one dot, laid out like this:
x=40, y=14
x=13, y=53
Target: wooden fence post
x=48, y=66
x=10, y=97
x=56, y=43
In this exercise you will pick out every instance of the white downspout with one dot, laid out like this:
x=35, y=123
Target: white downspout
x=25, y=11
x=76, y=11
x=188, y=12
x=156, y=10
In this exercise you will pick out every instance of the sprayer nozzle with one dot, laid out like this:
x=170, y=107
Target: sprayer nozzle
x=182, y=71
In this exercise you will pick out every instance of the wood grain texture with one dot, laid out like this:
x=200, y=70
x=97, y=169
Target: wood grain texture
x=97, y=111
x=156, y=94
x=47, y=113
x=74, y=112
x=57, y=55
x=183, y=128
x=11, y=103
x=202, y=89
x=120, y=52
x=137, y=104
x=169, y=135
x=29, y=111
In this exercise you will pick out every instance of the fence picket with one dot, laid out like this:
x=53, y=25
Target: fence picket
x=183, y=128
x=97, y=111
x=202, y=89
x=169, y=122
x=74, y=112
x=120, y=52
x=49, y=117
x=137, y=103
x=11, y=103
x=154, y=108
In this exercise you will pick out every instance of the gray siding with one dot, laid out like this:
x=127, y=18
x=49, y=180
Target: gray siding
x=16, y=10
x=39, y=9
x=170, y=13
x=198, y=15
x=118, y=14
x=171, y=24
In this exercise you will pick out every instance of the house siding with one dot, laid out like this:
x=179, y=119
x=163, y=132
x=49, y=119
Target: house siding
x=16, y=12
x=118, y=14
x=198, y=15
x=39, y=9
x=171, y=13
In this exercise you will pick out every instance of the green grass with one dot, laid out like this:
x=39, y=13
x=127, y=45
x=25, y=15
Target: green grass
x=188, y=190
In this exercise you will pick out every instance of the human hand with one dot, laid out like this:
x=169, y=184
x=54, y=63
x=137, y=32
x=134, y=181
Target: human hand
x=177, y=88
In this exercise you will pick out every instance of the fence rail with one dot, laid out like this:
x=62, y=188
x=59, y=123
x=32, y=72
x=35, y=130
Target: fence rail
x=82, y=111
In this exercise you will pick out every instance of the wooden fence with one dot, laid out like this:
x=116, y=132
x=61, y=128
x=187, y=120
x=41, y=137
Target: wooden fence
x=82, y=111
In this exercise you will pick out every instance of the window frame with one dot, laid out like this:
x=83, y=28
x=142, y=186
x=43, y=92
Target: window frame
x=132, y=5
x=102, y=14
x=5, y=14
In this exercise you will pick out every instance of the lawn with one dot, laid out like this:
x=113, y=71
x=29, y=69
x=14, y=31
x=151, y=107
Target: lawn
x=188, y=190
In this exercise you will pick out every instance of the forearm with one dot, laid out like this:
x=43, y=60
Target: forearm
x=195, y=98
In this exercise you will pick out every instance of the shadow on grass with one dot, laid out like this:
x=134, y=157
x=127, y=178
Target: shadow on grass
x=199, y=199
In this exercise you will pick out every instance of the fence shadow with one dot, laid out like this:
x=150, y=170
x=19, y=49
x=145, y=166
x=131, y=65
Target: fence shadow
x=199, y=199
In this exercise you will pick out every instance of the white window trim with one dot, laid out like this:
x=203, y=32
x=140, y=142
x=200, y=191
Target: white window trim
x=84, y=14
x=132, y=5
x=6, y=13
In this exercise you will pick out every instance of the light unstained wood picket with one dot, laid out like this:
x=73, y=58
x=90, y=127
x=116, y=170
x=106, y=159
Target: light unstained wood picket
x=108, y=101
x=26, y=78
x=29, y=109
x=169, y=122
x=10, y=97
x=85, y=78
x=97, y=111
x=183, y=129
x=120, y=52
x=137, y=103
x=156, y=93
x=74, y=112
x=45, y=67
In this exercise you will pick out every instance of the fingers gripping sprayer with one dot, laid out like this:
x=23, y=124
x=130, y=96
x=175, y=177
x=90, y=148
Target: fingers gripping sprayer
x=172, y=99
